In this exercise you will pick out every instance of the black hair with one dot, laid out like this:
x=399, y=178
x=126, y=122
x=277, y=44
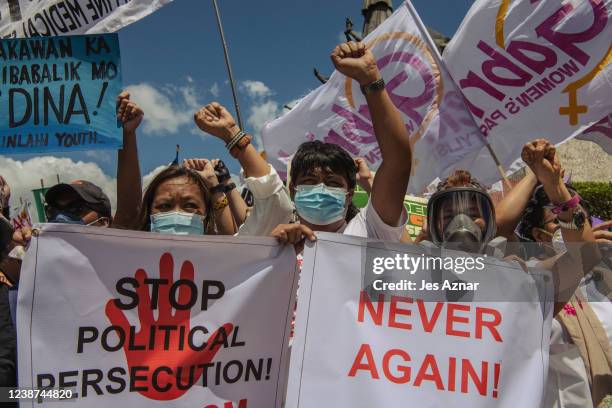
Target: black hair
x=170, y=172
x=533, y=215
x=311, y=155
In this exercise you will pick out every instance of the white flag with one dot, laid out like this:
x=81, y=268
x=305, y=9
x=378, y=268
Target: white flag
x=532, y=69
x=441, y=128
x=130, y=319
x=28, y=18
x=600, y=133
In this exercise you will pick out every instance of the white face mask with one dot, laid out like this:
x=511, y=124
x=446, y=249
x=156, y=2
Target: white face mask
x=557, y=242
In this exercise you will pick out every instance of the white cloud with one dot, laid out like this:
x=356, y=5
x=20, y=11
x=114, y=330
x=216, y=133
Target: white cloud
x=260, y=114
x=189, y=79
x=147, y=178
x=214, y=90
x=161, y=116
x=23, y=177
x=166, y=109
x=256, y=89
x=104, y=156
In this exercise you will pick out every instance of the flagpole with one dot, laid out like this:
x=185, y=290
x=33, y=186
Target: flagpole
x=228, y=65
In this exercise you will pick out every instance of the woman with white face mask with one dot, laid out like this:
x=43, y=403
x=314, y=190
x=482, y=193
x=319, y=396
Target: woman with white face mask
x=580, y=371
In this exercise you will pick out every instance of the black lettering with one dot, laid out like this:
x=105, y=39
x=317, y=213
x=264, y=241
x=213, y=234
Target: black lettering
x=116, y=379
x=120, y=335
x=82, y=339
x=193, y=294
x=93, y=383
x=208, y=294
x=124, y=291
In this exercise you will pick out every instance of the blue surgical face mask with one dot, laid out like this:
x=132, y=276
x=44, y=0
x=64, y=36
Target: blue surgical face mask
x=62, y=217
x=320, y=204
x=177, y=223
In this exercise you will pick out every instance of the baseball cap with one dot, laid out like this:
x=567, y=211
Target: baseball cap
x=89, y=192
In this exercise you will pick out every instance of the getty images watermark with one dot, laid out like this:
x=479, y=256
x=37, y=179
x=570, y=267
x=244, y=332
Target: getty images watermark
x=410, y=265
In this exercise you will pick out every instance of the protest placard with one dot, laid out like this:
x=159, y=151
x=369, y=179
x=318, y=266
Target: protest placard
x=59, y=94
x=358, y=348
x=532, y=69
x=27, y=18
x=132, y=319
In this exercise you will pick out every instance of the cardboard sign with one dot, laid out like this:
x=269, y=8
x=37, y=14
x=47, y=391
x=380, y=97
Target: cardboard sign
x=59, y=94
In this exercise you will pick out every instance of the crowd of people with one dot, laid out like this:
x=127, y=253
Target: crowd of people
x=543, y=220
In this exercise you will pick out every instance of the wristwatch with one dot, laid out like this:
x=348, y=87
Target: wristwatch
x=578, y=220
x=373, y=87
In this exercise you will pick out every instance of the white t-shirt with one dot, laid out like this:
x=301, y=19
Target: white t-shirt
x=368, y=224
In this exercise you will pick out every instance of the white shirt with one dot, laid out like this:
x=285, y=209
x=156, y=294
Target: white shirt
x=272, y=205
x=368, y=224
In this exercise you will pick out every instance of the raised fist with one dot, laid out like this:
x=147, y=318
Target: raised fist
x=205, y=169
x=216, y=120
x=542, y=159
x=356, y=61
x=128, y=112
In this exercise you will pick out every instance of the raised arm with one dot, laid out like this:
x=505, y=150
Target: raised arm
x=272, y=205
x=216, y=120
x=129, y=182
x=356, y=61
x=236, y=203
x=582, y=252
x=509, y=210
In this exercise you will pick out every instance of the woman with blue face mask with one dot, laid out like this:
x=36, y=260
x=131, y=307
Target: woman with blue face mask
x=184, y=200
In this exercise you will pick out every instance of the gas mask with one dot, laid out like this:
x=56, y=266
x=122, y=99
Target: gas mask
x=461, y=218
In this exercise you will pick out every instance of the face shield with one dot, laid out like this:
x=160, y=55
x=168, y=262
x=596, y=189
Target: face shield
x=461, y=218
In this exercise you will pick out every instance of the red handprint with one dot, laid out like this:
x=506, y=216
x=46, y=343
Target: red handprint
x=175, y=355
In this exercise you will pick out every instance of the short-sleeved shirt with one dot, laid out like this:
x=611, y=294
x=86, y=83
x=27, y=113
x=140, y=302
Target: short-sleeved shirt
x=368, y=224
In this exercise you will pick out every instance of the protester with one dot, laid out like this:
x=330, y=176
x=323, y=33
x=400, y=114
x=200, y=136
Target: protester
x=8, y=337
x=79, y=202
x=580, y=352
x=186, y=200
x=323, y=175
x=5, y=196
x=271, y=203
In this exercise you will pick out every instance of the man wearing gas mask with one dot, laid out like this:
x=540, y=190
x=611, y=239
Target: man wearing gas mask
x=461, y=216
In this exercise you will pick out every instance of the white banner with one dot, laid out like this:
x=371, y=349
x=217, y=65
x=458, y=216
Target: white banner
x=532, y=69
x=33, y=18
x=441, y=128
x=129, y=319
x=353, y=350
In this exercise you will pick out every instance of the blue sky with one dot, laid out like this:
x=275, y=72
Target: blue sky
x=173, y=62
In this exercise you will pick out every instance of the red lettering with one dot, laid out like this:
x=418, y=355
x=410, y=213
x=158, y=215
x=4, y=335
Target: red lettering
x=491, y=325
x=429, y=361
x=395, y=310
x=468, y=371
x=376, y=314
x=451, y=318
x=364, y=351
x=428, y=325
x=405, y=370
